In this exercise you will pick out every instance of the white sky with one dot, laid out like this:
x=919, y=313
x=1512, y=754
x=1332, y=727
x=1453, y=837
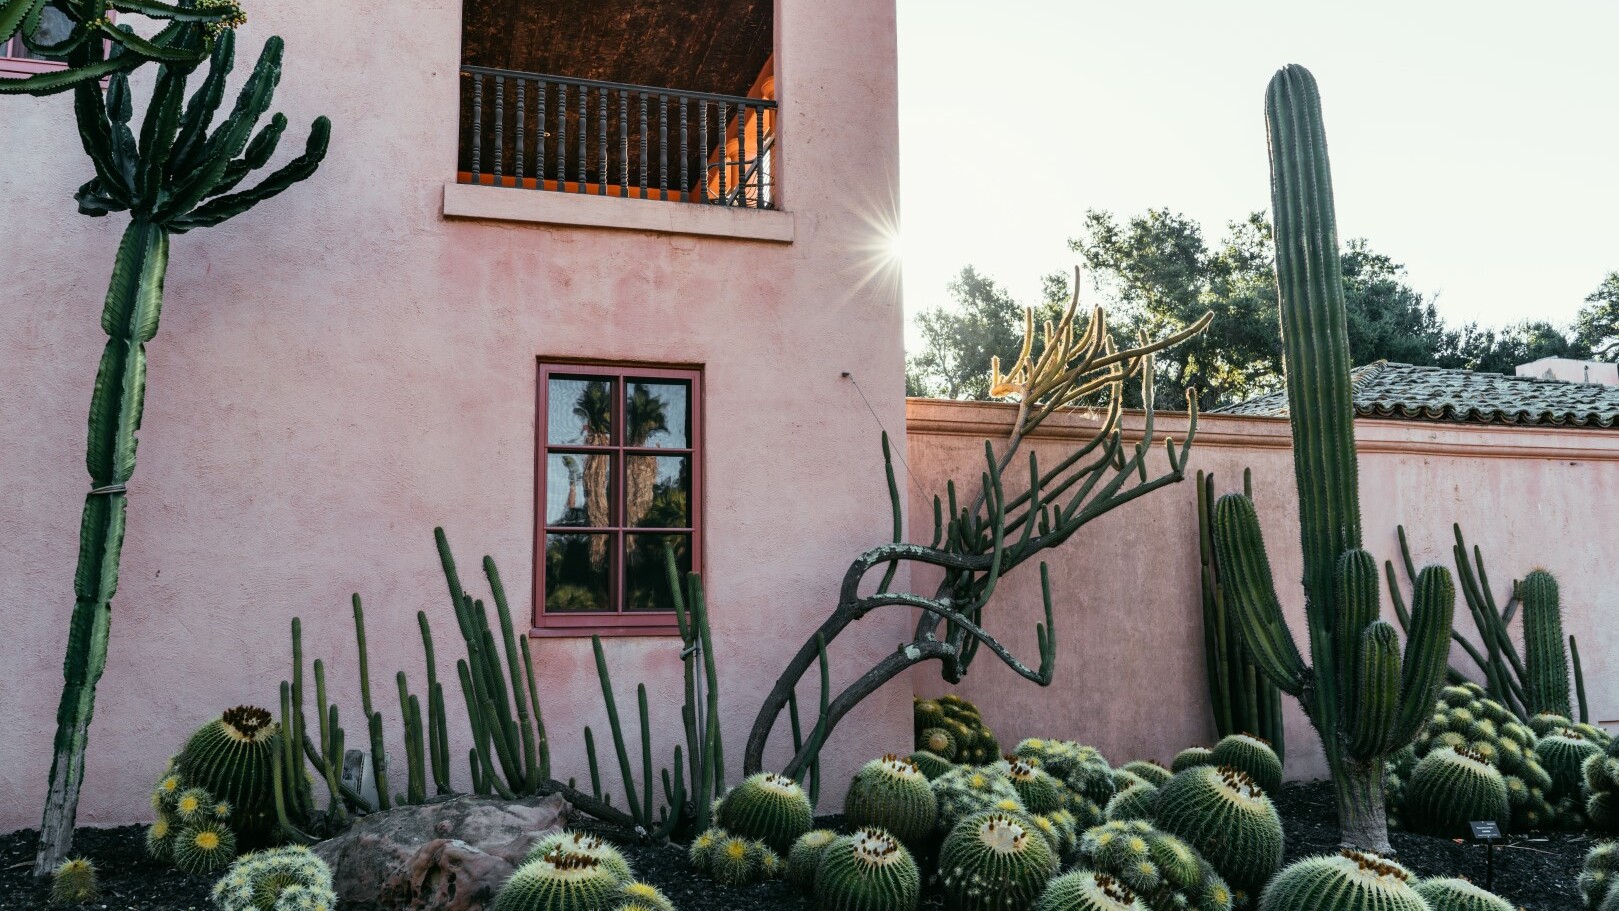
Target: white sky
x=1475, y=142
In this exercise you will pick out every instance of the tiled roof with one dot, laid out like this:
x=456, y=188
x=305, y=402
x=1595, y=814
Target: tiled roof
x=1405, y=392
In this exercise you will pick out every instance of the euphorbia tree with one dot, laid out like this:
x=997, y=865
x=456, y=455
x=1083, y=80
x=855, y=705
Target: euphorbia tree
x=174, y=177
x=993, y=532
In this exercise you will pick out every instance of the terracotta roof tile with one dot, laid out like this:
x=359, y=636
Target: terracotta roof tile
x=1405, y=392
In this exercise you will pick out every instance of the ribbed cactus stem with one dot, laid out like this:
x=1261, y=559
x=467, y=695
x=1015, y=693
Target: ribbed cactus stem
x=1545, y=662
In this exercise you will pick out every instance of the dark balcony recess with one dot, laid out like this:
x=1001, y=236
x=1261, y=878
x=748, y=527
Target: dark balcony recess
x=656, y=99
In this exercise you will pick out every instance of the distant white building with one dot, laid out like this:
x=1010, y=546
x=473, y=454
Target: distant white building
x=1570, y=370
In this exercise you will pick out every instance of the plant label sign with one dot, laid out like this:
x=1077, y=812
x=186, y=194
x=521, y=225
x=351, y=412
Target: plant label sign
x=1489, y=830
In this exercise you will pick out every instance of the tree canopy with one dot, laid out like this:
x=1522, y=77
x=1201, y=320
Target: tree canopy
x=1158, y=273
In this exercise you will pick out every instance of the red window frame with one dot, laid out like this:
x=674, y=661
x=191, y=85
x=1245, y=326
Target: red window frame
x=619, y=621
x=17, y=67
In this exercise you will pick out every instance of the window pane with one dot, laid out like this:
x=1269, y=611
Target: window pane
x=576, y=573
x=657, y=414
x=578, y=489
x=54, y=28
x=646, y=575
x=579, y=411
x=657, y=491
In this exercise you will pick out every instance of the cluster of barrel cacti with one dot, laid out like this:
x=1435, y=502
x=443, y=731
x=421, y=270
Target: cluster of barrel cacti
x=1364, y=697
x=1601, y=780
x=1244, y=701
x=218, y=793
x=1543, y=767
x=758, y=823
x=951, y=728
x=1161, y=870
x=276, y=880
x=510, y=755
x=731, y=859
x=576, y=871
x=1599, y=877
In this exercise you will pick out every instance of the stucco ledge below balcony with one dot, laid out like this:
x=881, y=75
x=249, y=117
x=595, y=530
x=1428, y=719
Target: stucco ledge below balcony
x=591, y=211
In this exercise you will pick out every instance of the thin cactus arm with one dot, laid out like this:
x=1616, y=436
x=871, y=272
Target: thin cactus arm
x=1240, y=548
x=87, y=61
x=1579, y=680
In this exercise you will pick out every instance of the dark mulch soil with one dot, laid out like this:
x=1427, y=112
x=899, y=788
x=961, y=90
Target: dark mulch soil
x=1535, y=873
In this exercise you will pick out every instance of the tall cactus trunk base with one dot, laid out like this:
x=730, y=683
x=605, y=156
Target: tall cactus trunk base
x=1357, y=785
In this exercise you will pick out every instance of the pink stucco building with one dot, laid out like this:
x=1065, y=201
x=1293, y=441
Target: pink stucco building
x=449, y=325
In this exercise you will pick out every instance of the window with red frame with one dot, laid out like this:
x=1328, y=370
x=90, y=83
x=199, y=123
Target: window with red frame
x=15, y=57
x=619, y=481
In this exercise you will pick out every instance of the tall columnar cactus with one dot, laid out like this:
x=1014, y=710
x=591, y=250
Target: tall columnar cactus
x=175, y=177
x=1545, y=661
x=1364, y=701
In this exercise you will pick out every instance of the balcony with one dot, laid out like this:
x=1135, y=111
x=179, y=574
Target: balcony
x=555, y=134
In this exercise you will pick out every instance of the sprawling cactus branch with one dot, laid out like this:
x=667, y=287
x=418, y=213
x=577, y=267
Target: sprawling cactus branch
x=90, y=31
x=977, y=543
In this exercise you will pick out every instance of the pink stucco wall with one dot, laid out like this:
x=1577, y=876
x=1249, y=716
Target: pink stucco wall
x=1130, y=675
x=343, y=368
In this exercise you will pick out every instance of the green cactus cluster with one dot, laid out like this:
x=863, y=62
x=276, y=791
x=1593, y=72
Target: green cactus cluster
x=735, y=860
x=1601, y=779
x=1365, y=697
x=1347, y=881
x=1464, y=716
x=892, y=794
x=1599, y=877
x=1251, y=755
x=1545, y=724
x=966, y=790
x=994, y=861
x=1087, y=890
x=510, y=755
x=231, y=759
x=195, y=831
x=1190, y=758
x=561, y=881
x=869, y=870
x=1088, y=778
x=1448, y=894
x=74, y=883
x=1134, y=802
x=1228, y=818
x=638, y=896
x=1538, y=680
x=805, y=857
x=1161, y=870
x=952, y=728
x=930, y=764
x=1563, y=755
x=1149, y=771
x=588, y=844
x=1039, y=791
x=1242, y=698
x=276, y=880
x=771, y=808
x=1450, y=788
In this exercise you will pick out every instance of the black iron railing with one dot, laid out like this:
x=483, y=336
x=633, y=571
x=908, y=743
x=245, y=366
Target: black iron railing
x=540, y=132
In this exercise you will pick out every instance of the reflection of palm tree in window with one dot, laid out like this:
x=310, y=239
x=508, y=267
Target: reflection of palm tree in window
x=595, y=410
x=646, y=415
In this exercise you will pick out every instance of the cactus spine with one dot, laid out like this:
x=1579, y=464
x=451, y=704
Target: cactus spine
x=177, y=177
x=1545, y=662
x=1243, y=699
x=1362, y=699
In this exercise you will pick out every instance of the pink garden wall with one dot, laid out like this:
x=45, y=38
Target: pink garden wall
x=345, y=367
x=1130, y=674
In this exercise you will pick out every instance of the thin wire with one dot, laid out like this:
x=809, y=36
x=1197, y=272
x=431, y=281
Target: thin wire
x=850, y=377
